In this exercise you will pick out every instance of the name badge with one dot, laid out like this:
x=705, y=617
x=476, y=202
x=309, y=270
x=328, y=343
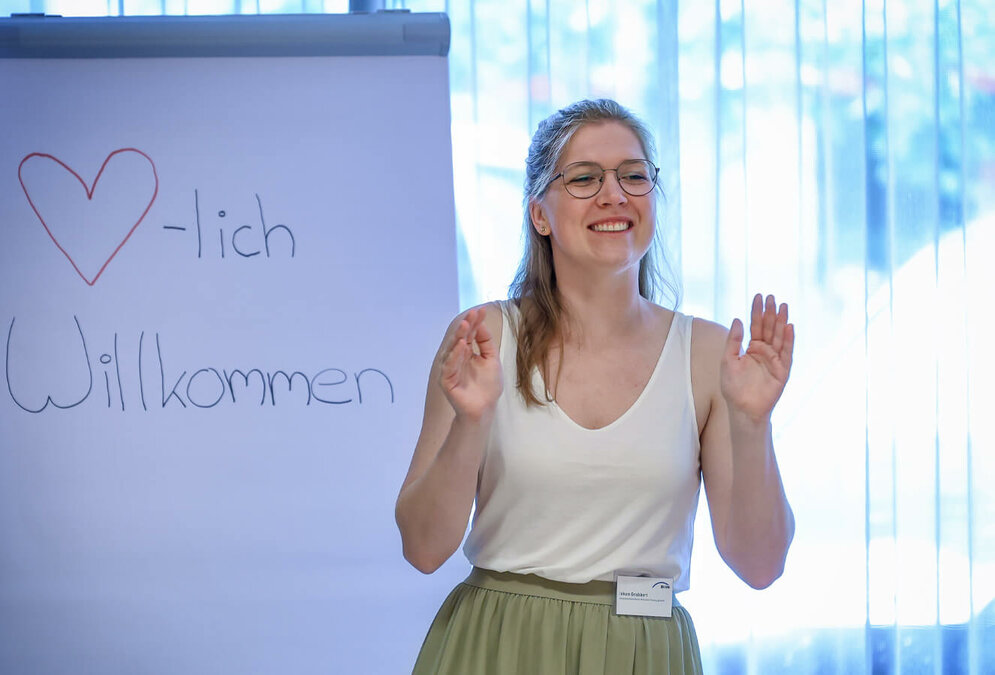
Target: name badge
x=644, y=596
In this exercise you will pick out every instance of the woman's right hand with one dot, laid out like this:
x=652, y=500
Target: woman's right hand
x=471, y=369
x=436, y=498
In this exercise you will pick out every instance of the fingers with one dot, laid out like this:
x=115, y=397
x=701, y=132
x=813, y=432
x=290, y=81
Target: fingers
x=756, y=318
x=470, y=332
x=475, y=319
x=779, y=327
x=769, y=325
x=457, y=334
x=734, y=341
x=769, y=319
x=485, y=341
x=787, y=349
x=453, y=363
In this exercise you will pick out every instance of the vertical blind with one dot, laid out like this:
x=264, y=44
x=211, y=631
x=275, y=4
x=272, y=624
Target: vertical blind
x=842, y=156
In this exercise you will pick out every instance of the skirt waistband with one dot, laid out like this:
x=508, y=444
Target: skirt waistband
x=595, y=592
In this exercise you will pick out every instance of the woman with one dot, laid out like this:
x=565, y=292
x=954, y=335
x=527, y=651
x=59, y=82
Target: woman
x=581, y=417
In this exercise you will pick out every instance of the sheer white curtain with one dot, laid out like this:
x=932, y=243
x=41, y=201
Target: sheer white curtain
x=841, y=155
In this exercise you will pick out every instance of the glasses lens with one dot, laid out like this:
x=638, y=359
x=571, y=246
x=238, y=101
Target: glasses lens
x=637, y=176
x=583, y=179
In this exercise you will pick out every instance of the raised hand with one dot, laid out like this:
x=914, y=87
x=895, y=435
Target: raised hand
x=471, y=370
x=753, y=381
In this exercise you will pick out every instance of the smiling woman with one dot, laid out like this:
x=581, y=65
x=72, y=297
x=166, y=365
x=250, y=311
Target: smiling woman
x=584, y=461
x=595, y=219
x=843, y=153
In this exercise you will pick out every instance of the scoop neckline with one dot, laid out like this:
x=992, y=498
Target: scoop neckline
x=635, y=404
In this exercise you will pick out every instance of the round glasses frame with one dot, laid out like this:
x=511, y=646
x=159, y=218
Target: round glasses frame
x=599, y=174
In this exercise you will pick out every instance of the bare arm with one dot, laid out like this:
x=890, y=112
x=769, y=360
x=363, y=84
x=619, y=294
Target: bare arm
x=434, y=503
x=751, y=519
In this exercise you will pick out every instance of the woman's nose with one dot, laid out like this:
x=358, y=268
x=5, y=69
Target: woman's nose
x=611, y=190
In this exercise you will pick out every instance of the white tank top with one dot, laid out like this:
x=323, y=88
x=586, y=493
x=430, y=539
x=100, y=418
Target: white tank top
x=573, y=504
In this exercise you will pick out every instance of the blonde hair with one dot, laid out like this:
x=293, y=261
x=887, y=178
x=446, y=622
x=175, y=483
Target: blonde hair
x=534, y=287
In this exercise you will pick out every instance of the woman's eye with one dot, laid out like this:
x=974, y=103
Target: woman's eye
x=582, y=179
x=635, y=177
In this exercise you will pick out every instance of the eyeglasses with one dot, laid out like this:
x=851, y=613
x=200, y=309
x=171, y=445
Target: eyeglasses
x=583, y=180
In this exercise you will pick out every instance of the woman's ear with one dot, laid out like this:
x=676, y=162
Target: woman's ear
x=538, y=215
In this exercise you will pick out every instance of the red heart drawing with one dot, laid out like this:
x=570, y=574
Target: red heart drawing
x=86, y=230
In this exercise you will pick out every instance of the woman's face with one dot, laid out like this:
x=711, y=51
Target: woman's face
x=609, y=232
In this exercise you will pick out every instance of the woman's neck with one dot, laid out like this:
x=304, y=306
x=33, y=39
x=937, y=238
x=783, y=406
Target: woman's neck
x=602, y=309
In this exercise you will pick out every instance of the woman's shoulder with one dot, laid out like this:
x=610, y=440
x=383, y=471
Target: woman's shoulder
x=495, y=309
x=493, y=312
x=708, y=340
x=672, y=320
x=705, y=332
x=707, y=337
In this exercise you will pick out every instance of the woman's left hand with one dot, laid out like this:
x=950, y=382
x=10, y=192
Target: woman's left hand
x=752, y=382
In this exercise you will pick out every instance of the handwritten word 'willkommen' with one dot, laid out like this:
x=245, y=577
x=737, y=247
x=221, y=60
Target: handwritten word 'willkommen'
x=206, y=386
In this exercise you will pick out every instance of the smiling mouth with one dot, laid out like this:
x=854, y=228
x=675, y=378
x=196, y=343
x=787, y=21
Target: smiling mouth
x=612, y=226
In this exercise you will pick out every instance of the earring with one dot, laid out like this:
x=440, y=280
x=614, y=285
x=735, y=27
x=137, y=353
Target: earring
x=542, y=230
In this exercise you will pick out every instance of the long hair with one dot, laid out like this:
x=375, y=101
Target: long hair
x=534, y=288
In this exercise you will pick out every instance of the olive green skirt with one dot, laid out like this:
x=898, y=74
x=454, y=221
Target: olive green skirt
x=498, y=623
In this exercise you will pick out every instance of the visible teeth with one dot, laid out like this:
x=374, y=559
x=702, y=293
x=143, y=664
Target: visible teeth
x=610, y=227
